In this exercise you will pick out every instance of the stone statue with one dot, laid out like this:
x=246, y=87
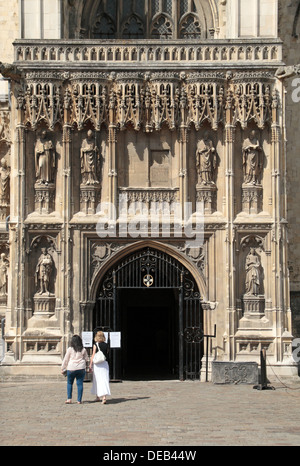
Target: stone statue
x=44, y=160
x=206, y=160
x=3, y=274
x=43, y=272
x=89, y=157
x=253, y=279
x=252, y=159
x=4, y=183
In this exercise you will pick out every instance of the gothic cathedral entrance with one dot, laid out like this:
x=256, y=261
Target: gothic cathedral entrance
x=154, y=301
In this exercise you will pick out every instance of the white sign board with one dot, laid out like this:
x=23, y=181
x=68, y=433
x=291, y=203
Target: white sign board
x=87, y=339
x=115, y=339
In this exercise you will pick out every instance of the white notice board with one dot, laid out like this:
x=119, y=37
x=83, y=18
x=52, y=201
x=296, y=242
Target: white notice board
x=87, y=339
x=115, y=339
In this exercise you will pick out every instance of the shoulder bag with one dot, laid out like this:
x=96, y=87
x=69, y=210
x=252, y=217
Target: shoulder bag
x=99, y=356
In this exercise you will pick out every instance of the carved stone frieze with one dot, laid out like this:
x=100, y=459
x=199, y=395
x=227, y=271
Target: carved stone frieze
x=146, y=100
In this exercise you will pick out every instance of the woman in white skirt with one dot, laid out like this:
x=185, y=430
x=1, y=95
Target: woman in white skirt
x=100, y=386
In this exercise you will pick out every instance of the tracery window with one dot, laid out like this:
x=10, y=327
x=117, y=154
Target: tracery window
x=162, y=28
x=133, y=28
x=104, y=28
x=190, y=27
x=142, y=19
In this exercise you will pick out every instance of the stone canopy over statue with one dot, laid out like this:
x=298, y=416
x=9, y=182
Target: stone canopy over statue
x=252, y=159
x=44, y=160
x=89, y=160
x=206, y=160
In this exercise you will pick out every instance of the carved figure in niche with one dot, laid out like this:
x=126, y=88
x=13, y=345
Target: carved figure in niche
x=44, y=160
x=253, y=278
x=89, y=157
x=4, y=183
x=252, y=159
x=43, y=272
x=3, y=274
x=206, y=160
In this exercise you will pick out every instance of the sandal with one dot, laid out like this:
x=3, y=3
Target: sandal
x=103, y=401
x=68, y=402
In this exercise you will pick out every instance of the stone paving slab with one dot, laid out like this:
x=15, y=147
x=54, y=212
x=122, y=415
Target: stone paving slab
x=149, y=413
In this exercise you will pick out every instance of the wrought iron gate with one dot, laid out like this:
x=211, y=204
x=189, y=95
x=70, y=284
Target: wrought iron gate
x=150, y=268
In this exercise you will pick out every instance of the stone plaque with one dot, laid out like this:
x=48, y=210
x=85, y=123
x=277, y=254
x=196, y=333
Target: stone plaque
x=160, y=168
x=234, y=372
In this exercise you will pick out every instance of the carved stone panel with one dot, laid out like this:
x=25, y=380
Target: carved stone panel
x=233, y=373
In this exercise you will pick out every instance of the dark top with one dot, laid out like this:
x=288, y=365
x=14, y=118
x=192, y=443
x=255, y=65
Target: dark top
x=104, y=348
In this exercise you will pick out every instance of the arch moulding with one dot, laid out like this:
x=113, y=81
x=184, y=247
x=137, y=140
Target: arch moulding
x=130, y=249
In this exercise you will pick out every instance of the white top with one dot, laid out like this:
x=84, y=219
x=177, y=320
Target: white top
x=74, y=361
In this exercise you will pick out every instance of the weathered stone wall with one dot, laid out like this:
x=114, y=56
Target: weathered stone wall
x=291, y=56
x=9, y=29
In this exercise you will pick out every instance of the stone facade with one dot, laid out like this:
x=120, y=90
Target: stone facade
x=99, y=126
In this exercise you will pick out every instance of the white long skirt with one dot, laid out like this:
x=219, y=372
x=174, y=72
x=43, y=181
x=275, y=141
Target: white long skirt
x=101, y=379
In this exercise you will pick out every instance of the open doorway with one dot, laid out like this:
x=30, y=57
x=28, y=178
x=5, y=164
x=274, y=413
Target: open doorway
x=149, y=325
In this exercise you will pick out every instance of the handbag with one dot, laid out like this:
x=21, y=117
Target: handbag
x=99, y=356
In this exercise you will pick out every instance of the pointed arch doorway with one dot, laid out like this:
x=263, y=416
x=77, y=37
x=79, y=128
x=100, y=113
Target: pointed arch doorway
x=154, y=301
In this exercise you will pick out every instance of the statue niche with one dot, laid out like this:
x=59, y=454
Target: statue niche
x=206, y=165
x=90, y=174
x=4, y=264
x=45, y=164
x=252, y=169
x=253, y=298
x=4, y=189
x=44, y=298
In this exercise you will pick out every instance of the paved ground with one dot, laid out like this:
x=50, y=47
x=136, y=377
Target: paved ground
x=149, y=413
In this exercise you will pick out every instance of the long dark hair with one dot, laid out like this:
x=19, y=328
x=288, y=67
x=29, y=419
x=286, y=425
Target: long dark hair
x=76, y=343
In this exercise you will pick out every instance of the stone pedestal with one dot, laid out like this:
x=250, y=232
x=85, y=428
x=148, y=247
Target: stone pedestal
x=44, y=305
x=252, y=196
x=44, y=198
x=207, y=193
x=253, y=305
x=89, y=198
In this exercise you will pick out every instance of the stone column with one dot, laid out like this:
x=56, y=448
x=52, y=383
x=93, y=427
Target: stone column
x=230, y=232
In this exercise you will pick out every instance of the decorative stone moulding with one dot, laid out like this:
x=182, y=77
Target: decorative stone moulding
x=217, y=51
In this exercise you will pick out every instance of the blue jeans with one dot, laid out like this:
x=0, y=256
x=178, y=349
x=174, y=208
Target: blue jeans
x=79, y=375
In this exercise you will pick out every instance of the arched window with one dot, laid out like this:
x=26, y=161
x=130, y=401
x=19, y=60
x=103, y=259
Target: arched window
x=190, y=27
x=133, y=28
x=146, y=19
x=103, y=28
x=162, y=28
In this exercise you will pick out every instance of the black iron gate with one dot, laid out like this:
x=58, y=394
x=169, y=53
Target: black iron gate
x=153, y=269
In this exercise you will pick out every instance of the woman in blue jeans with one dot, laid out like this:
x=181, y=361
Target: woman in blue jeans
x=75, y=363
